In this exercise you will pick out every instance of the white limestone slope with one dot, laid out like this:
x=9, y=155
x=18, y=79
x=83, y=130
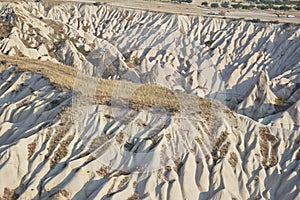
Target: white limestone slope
x=101, y=152
x=206, y=151
x=208, y=57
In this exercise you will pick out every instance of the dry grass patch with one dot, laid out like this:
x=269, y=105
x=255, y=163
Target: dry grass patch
x=62, y=151
x=120, y=137
x=8, y=194
x=265, y=138
x=233, y=160
x=61, y=131
x=62, y=193
x=123, y=182
x=100, y=91
x=135, y=196
x=220, y=147
x=102, y=171
x=66, y=77
x=5, y=29
x=31, y=149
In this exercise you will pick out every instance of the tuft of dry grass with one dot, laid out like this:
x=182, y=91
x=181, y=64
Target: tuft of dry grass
x=198, y=140
x=135, y=196
x=224, y=150
x=62, y=151
x=5, y=28
x=120, y=137
x=31, y=149
x=102, y=171
x=61, y=193
x=219, y=146
x=123, y=182
x=61, y=131
x=220, y=140
x=265, y=137
x=233, y=159
x=8, y=194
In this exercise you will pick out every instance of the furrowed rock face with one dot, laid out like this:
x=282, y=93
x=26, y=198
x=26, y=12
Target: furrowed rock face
x=92, y=152
x=216, y=58
x=54, y=148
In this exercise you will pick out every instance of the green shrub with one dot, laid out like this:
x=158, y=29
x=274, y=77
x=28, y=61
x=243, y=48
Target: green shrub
x=180, y=1
x=255, y=20
x=82, y=51
x=225, y=5
x=137, y=61
x=282, y=101
x=3, y=62
x=285, y=8
x=271, y=138
x=204, y=3
x=262, y=7
x=209, y=43
x=127, y=60
x=214, y=5
x=236, y=6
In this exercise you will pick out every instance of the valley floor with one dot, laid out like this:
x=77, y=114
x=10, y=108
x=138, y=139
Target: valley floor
x=198, y=10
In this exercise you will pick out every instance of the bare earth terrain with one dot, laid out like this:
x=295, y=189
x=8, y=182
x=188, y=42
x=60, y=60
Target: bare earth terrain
x=147, y=100
x=197, y=9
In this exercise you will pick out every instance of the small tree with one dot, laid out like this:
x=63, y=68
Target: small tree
x=214, y=5
x=262, y=7
x=285, y=8
x=187, y=1
x=137, y=61
x=225, y=5
x=236, y=6
x=204, y=3
x=209, y=43
x=245, y=7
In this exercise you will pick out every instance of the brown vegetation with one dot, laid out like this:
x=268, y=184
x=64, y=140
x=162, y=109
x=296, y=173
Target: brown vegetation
x=31, y=149
x=102, y=171
x=220, y=147
x=61, y=131
x=5, y=29
x=135, y=196
x=120, y=137
x=233, y=159
x=265, y=138
x=61, y=193
x=8, y=194
x=62, y=151
x=66, y=77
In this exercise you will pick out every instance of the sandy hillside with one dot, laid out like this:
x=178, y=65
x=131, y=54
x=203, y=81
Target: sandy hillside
x=106, y=102
x=98, y=152
x=251, y=67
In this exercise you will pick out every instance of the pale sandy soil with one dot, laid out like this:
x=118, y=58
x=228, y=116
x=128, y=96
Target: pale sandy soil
x=197, y=9
x=55, y=144
x=194, y=9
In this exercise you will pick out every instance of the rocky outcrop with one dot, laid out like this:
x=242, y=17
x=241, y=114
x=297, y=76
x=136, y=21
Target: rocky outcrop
x=208, y=57
x=97, y=152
